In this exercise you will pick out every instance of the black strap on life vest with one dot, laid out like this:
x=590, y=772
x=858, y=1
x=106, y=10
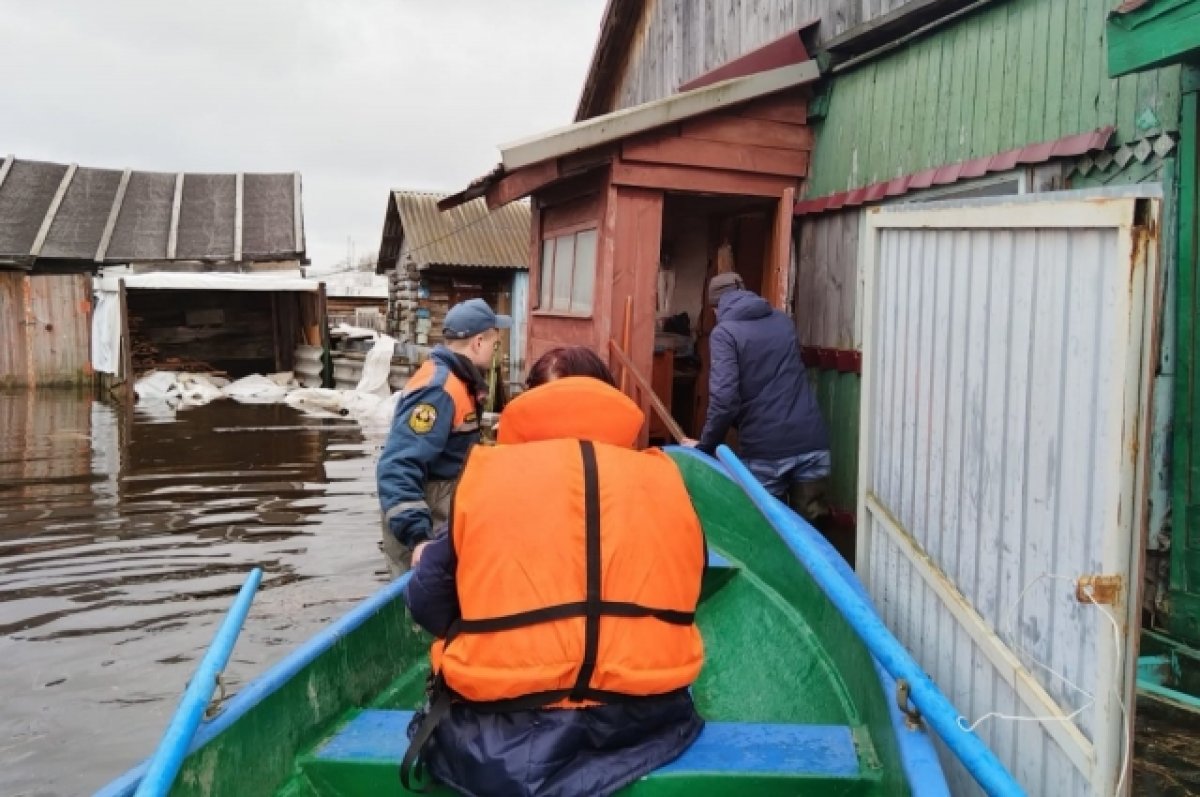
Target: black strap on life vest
x=591, y=609
x=411, y=765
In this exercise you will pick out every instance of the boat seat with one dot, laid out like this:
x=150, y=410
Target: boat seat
x=749, y=757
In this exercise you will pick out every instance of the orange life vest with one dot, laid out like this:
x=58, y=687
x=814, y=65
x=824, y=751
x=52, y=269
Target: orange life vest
x=579, y=559
x=466, y=419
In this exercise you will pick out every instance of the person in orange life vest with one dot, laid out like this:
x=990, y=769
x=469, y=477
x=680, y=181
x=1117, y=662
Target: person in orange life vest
x=435, y=425
x=563, y=599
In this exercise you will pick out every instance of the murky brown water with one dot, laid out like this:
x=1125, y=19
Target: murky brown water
x=124, y=534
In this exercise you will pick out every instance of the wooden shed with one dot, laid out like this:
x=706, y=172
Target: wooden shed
x=109, y=271
x=638, y=209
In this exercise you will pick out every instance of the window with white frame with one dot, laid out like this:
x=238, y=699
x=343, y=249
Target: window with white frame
x=568, y=273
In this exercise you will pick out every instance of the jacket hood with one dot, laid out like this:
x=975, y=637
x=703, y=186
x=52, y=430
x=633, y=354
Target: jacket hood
x=573, y=408
x=742, y=306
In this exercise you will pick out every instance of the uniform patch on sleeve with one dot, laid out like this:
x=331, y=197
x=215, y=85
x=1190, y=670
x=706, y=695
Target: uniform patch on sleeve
x=422, y=418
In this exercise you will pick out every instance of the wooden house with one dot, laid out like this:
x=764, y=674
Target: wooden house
x=113, y=272
x=435, y=260
x=986, y=236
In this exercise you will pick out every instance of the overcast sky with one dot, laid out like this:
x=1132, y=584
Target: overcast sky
x=360, y=96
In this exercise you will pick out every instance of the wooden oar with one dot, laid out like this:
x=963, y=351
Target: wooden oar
x=164, y=765
x=655, y=402
x=625, y=332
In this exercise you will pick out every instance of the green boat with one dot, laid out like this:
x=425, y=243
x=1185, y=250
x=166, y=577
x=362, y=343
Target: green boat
x=794, y=702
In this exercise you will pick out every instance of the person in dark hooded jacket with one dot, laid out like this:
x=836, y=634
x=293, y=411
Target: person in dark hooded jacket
x=757, y=385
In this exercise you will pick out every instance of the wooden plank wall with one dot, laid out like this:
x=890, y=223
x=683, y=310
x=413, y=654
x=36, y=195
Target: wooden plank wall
x=13, y=363
x=827, y=280
x=679, y=40
x=45, y=329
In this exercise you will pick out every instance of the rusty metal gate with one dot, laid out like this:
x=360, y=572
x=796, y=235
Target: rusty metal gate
x=1007, y=374
x=45, y=322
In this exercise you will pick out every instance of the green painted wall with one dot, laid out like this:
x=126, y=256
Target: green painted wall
x=837, y=394
x=1012, y=74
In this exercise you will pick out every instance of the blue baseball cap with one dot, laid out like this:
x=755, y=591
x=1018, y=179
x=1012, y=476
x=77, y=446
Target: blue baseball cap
x=472, y=317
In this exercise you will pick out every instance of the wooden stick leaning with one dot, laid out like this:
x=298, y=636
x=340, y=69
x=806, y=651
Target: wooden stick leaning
x=626, y=330
x=663, y=413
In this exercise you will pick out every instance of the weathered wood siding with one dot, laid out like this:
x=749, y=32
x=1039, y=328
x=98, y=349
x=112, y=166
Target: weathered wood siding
x=826, y=295
x=1015, y=73
x=679, y=40
x=826, y=280
x=45, y=329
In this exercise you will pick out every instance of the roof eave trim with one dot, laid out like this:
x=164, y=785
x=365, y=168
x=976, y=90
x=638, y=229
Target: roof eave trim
x=630, y=121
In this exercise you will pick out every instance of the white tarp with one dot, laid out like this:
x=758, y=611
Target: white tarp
x=106, y=333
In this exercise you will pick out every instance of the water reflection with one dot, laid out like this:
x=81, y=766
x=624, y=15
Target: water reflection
x=124, y=533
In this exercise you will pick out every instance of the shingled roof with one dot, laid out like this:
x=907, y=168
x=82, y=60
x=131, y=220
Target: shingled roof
x=467, y=236
x=55, y=211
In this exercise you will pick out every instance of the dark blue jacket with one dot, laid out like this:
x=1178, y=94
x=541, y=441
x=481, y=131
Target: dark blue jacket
x=418, y=451
x=543, y=753
x=757, y=383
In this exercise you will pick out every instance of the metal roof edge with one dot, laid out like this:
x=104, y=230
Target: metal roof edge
x=948, y=174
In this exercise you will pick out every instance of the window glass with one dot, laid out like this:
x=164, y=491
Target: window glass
x=564, y=259
x=546, y=274
x=585, y=272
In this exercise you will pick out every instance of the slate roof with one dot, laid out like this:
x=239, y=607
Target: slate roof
x=56, y=211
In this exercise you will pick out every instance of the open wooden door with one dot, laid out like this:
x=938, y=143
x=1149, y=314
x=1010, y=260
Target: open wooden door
x=778, y=270
x=1007, y=372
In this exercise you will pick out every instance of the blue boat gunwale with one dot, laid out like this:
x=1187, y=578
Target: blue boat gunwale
x=918, y=756
x=275, y=677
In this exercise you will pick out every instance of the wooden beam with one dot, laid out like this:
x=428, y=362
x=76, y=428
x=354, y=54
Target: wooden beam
x=297, y=213
x=790, y=107
x=1154, y=35
x=176, y=204
x=6, y=167
x=521, y=183
x=749, y=132
x=126, y=338
x=706, y=181
x=663, y=413
x=113, y=213
x=775, y=281
x=716, y=155
x=239, y=185
x=52, y=211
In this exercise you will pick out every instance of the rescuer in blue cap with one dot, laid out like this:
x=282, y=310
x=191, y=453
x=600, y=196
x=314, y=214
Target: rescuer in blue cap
x=436, y=423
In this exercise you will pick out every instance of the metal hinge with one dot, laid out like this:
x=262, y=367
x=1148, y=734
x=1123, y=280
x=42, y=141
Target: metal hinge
x=1096, y=588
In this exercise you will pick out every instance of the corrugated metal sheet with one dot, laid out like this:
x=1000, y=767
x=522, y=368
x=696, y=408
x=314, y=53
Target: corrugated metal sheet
x=76, y=215
x=467, y=235
x=1003, y=372
x=1031, y=154
x=1014, y=73
x=45, y=324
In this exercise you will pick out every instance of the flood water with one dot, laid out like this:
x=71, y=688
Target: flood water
x=124, y=534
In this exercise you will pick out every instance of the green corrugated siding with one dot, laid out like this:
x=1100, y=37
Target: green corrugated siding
x=837, y=393
x=1013, y=74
